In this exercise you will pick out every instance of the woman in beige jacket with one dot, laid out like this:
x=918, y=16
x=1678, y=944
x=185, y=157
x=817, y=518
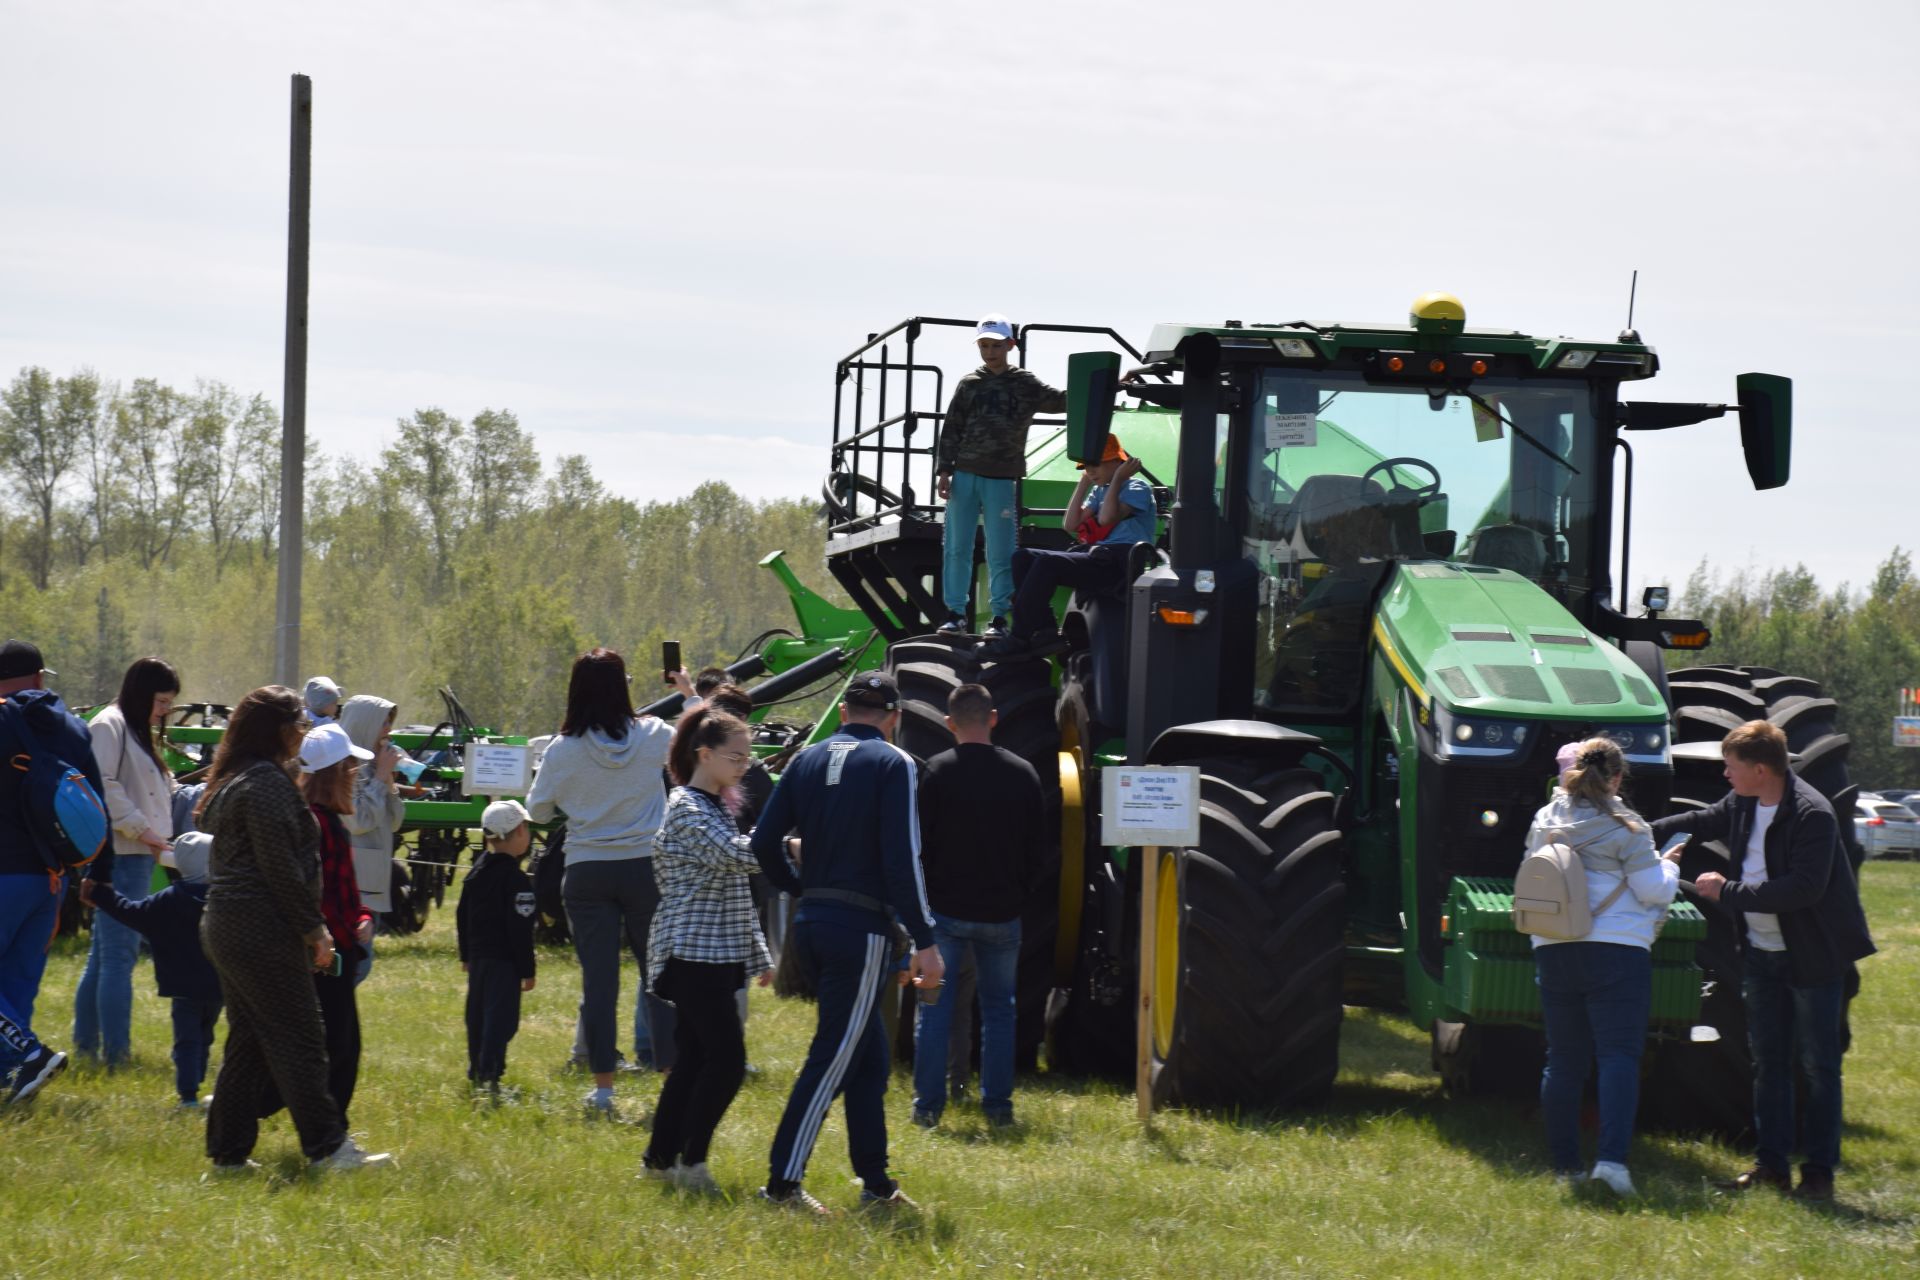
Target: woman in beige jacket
x=140, y=806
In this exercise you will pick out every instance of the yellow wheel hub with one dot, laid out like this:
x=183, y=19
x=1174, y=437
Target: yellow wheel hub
x=1166, y=954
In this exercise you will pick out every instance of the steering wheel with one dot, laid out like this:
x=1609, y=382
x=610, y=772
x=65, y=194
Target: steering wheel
x=1420, y=491
x=841, y=490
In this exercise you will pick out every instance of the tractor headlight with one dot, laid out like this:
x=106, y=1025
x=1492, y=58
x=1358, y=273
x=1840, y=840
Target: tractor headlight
x=1479, y=736
x=1640, y=743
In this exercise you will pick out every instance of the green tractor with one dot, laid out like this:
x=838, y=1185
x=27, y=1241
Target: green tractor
x=1386, y=592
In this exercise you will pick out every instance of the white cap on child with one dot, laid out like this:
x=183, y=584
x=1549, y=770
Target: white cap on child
x=503, y=817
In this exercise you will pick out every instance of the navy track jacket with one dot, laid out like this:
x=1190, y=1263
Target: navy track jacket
x=851, y=801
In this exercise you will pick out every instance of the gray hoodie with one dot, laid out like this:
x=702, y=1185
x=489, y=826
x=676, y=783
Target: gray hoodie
x=1609, y=851
x=611, y=790
x=378, y=809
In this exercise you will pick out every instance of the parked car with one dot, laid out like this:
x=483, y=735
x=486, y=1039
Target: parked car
x=1911, y=799
x=1885, y=828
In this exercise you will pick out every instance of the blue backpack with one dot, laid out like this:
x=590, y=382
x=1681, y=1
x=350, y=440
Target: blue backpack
x=61, y=811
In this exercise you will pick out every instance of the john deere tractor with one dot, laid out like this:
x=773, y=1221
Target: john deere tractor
x=1390, y=584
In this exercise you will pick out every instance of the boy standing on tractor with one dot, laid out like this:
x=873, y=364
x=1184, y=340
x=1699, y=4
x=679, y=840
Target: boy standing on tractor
x=982, y=456
x=1111, y=509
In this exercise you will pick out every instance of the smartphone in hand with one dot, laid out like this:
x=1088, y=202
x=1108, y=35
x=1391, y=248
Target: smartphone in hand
x=669, y=660
x=1674, y=844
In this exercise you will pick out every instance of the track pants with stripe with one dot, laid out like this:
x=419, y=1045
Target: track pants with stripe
x=848, y=1056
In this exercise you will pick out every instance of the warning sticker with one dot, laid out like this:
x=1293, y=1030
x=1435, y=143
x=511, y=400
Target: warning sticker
x=1292, y=430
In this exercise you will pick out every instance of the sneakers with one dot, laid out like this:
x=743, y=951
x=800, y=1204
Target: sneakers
x=1000, y=1120
x=1574, y=1179
x=1614, y=1177
x=1010, y=647
x=600, y=1103
x=797, y=1201
x=997, y=629
x=222, y=1172
x=1759, y=1176
x=348, y=1157
x=888, y=1204
x=696, y=1178
x=40, y=1066
x=925, y=1119
x=1816, y=1185
x=955, y=625
x=654, y=1173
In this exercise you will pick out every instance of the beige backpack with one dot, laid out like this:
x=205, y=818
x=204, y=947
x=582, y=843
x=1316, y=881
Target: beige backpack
x=1550, y=894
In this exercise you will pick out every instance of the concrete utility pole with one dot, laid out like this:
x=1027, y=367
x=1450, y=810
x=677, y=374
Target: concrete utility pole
x=293, y=412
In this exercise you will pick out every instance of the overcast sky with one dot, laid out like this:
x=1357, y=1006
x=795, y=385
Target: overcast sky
x=651, y=229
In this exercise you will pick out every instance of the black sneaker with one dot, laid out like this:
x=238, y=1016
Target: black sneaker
x=795, y=1201
x=40, y=1066
x=1008, y=648
x=997, y=629
x=926, y=1119
x=955, y=625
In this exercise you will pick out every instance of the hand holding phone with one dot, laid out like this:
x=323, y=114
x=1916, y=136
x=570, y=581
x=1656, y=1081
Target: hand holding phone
x=1675, y=843
x=669, y=660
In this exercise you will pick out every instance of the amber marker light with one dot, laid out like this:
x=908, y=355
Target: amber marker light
x=1479, y=367
x=1436, y=365
x=1178, y=617
x=1395, y=364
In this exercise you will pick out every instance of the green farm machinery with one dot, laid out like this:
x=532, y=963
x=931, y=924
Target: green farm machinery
x=1390, y=583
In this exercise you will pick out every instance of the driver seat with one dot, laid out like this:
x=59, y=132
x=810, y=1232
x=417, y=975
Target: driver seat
x=1343, y=520
x=1510, y=546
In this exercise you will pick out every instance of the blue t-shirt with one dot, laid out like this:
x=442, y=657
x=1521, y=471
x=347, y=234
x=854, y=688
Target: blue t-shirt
x=1137, y=519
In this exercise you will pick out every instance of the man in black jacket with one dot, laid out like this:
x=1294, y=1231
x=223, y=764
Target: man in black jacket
x=1798, y=913
x=981, y=823
x=30, y=889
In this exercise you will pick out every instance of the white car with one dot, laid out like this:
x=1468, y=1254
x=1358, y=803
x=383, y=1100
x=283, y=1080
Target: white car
x=1886, y=829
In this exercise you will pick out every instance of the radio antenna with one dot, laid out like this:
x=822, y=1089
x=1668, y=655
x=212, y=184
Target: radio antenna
x=1629, y=334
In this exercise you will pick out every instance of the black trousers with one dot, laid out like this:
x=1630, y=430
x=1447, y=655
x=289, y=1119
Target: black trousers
x=493, y=1016
x=275, y=1039
x=710, y=1059
x=340, y=1021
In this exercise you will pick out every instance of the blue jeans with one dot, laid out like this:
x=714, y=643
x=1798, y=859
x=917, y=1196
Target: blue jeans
x=29, y=912
x=1781, y=1018
x=103, y=1003
x=996, y=954
x=1597, y=997
x=973, y=499
x=193, y=1025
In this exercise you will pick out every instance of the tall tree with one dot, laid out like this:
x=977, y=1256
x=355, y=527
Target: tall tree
x=36, y=453
x=147, y=426
x=81, y=408
x=423, y=465
x=503, y=468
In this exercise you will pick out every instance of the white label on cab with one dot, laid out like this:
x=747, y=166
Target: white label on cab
x=1292, y=430
x=1150, y=806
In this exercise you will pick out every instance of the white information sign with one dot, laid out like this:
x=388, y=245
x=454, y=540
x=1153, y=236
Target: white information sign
x=1292, y=430
x=497, y=770
x=1150, y=806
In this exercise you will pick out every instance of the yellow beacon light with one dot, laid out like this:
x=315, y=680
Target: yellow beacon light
x=1439, y=313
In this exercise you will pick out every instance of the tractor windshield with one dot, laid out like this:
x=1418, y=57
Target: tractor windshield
x=1343, y=478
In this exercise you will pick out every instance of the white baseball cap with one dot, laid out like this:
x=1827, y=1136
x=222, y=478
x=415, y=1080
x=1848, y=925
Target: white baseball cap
x=994, y=326
x=328, y=745
x=322, y=692
x=503, y=817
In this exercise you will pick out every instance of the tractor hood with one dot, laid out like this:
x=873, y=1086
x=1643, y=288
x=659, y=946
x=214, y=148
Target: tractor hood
x=1486, y=641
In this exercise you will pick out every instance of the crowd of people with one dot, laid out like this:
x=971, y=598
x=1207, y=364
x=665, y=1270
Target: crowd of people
x=676, y=841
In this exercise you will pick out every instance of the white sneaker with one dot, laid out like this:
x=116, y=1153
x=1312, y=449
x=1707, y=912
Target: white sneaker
x=600, y=1102
x=1614, y=1176
x=349, y=1156
x=693, y=1177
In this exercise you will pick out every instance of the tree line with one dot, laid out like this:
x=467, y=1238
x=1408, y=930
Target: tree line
x=143, y=520
x=1862, y=645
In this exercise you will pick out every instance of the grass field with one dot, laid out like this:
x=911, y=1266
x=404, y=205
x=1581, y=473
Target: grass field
x=101, y=1174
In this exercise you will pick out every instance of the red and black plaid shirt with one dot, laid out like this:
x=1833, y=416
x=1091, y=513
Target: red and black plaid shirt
x=339, y=890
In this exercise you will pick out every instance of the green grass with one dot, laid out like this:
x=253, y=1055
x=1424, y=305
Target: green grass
x=101, y=1176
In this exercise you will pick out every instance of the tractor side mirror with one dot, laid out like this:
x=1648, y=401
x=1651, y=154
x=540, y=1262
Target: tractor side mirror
x=1766, y=427
x=1092, y=377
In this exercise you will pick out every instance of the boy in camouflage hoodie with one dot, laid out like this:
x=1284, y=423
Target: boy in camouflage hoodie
x=983, y=454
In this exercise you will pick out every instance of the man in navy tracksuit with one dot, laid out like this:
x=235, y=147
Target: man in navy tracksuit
x=851, y=801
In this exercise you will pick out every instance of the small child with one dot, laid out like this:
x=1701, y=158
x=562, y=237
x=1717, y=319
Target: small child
x=495, y=922
x=170, y=920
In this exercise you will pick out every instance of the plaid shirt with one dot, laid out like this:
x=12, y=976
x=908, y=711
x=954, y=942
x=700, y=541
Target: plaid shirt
x=339, y=890
x=706, y=914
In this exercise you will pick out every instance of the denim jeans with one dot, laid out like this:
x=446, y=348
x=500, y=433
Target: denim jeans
x=607, y=903
x=193, y=1026
x=29, y=910
x=1781, y=1018
x=1597, y=997
x=103, y=1003
x=996, y=954
x=973, y=499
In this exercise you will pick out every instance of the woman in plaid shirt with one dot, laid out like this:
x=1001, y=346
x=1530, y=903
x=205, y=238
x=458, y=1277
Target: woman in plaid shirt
x=705, y=943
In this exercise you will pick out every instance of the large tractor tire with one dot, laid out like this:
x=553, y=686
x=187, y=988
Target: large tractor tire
x=1706, y=1085
x=1249, y=947
x=928, y=669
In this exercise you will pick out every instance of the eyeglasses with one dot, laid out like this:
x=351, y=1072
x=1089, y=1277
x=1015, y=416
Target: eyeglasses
x=738, y=757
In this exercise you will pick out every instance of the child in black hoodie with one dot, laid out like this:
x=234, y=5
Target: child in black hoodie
x=495, y=923
x=170, y=920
